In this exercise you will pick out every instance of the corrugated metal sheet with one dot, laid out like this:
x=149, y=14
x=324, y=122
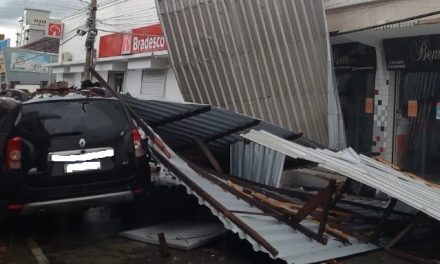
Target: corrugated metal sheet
x=263, y=58
x=292, y=246
x=256, y=163
x=179, y=124
x=413, y=191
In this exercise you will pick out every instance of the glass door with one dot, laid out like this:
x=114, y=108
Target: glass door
x=356, y=93
x=418, y=123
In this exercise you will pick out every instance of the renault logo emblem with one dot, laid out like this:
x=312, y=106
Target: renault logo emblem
x=82, y=143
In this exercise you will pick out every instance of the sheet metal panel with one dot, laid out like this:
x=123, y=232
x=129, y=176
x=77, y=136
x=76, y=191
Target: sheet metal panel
x=181, y=133
x=413, y=191
x=293, y=246
x=262, y=58
x=256, y=163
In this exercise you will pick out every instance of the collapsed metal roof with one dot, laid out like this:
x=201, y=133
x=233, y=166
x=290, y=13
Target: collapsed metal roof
x=410, y=189
x=262, y=58
x=265, y=231
x=179, y=124
x=289, y=244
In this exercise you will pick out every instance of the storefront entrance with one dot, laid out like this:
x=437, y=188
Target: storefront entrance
x=116, y=80
x=417, y=126
x=355, y=67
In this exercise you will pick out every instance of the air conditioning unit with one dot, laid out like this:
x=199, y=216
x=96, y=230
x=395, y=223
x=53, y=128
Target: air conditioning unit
x=66, y=56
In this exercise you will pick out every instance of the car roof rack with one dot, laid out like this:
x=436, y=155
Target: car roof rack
x=62, y=89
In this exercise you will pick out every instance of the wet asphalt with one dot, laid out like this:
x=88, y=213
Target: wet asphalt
x=92, y=236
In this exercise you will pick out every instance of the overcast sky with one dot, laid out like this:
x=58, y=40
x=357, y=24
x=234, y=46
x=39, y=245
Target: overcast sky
x=10, y=10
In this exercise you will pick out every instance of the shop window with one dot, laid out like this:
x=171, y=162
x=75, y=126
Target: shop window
x=418, y=123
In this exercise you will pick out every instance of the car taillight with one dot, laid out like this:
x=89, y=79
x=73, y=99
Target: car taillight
x=137, y=143
x=13, y=154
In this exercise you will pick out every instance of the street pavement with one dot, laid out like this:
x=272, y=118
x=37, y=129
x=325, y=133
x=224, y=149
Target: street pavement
x=92, y=237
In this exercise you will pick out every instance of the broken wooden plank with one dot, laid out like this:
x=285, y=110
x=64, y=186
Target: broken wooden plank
x=164, y=253
x=411, y=257
x=292, y=213
x=416, y=220
x=266, y=208
x=207, y=152
x=325, y=197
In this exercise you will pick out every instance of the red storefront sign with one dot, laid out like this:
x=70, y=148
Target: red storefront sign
x=54, y=30
x=139, y=40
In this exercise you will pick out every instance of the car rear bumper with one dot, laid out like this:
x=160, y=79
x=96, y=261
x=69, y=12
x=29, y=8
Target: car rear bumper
x=79, y=202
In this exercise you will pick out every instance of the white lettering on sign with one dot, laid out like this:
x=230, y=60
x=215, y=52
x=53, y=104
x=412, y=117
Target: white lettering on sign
x=421, y=52
x=149, y=43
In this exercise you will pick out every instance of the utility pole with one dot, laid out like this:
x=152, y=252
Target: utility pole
x=90, y=40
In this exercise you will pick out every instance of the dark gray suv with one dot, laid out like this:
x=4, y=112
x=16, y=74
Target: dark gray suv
x=71, y=150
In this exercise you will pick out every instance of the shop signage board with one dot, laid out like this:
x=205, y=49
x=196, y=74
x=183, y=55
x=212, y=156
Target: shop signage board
x=421, y=53
x=29, y=62
x=138, y=40
x=147, y=39
x=354, y=56
x=54, y=30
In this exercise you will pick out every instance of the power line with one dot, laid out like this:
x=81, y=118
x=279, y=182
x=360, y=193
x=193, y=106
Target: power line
x=46, y=52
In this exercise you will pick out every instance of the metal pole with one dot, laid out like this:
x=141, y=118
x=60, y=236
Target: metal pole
x=90, y=40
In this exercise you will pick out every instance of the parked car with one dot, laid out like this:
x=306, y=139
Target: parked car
x=75, y=150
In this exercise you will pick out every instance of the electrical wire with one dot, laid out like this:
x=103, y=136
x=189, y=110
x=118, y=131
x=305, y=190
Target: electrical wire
x=53, y=46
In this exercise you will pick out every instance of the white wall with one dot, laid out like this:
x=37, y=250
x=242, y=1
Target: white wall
x=353, y=14
x=172, y=91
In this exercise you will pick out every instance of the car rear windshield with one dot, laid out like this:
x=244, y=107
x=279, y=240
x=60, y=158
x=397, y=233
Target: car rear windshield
x=8, y=113
x=75, y=118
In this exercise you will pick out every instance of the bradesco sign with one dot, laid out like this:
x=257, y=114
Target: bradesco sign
x=145, y=39
x=139, y=40
x=149, y=43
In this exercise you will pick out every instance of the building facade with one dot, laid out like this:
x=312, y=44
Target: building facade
x=35, y=25
x=131, y=51
x=391, y=62
x=27, y=69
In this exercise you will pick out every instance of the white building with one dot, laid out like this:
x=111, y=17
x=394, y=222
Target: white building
x=131, y=52
x=36, y=24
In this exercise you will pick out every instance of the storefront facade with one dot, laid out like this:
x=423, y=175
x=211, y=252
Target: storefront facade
x=406, y=83
x=355, y=70
x=406, y=100
x=134, y=62
x=415, y=64
x=26, y=69
x=131, y=52
x=137, y=62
